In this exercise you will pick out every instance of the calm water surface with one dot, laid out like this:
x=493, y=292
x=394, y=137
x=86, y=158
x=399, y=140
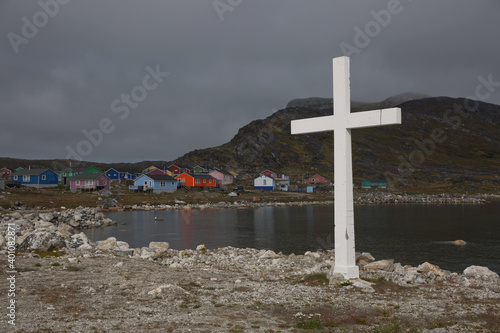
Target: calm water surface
x=411, y=234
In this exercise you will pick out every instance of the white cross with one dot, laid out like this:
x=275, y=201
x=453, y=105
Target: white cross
x=341, y=122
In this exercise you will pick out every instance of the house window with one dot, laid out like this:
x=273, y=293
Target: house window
x=104, y=182
x=163, y=184
x=26, y=178
x=197, y=181
x=204, y=181
x=44, y=177
x=173, y=184
x=15, y=177
x=210, y=181
x=89, y=182
x=77, y=182
x=265, y=181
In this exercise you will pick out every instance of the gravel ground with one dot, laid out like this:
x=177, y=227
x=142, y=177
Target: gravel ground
x=229, y=290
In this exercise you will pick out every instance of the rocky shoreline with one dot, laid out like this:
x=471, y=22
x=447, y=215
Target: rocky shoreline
x=156, y=288
x=359, y=199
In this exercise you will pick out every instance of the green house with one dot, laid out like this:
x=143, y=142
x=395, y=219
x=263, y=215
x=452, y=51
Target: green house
x=373, y=184
x=69, y=172
x=200, y=169
x=92, y=169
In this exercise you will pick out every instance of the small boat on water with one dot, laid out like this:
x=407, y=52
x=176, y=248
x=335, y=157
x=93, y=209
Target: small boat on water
x=158, y=219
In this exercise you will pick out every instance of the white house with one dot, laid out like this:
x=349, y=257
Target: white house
x=263, y=182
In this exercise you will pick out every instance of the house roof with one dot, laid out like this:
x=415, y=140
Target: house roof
x=161, y=177
x=319, y=176
x=199, y=175
x=202, y=176
x=30, y=172
x=87, y=176
x=180, y=166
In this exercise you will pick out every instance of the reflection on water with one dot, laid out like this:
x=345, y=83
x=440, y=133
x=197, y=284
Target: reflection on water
x=411, y=234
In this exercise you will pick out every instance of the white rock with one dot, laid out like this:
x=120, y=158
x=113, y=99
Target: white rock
x=269, y=254
x=121, y=244
x=381, y=265
x=72, y=260
x=201, y=247
x=480, y=272
x=119, y=264
x=365, y=286
x=162, y=246
x=170, y=290
x=43, y=224
x=107, y=245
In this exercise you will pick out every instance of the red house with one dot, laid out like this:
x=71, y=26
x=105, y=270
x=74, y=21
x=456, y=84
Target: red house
x=5, y=172
x=197, y=180
x=156, y=172
x=275, y=175
x=178, y=169
x=317, y=179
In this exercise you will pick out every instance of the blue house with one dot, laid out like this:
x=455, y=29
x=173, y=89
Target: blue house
x=129, y=175
x=154, y=183
x=35, y=178
x=113, y=174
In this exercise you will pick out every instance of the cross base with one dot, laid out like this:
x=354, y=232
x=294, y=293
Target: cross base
x=349, y=272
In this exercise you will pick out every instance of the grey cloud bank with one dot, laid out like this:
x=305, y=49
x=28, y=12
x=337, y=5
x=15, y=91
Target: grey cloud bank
x=66, y=77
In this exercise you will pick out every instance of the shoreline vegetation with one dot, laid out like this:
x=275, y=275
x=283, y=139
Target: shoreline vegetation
x=66, y=282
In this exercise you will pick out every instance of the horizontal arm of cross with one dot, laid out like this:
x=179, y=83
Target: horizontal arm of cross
x=313, y=125
x=352, y=120
x=374, y=118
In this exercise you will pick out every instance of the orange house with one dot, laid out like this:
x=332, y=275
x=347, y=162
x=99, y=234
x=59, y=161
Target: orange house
x=197, y=180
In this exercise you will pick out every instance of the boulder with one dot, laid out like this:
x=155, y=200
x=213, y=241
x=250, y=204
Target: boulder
x=386, y=265
x=428, y=267
x=109, y=203
x=363, y=285
x=459, y=242
x=65, y=228
x=46, y=216
x=480, y=273
x=269, y=254
x=42, y=241
x=107, y=245
x=77, y=240
x=159, y=246
x=43, y=225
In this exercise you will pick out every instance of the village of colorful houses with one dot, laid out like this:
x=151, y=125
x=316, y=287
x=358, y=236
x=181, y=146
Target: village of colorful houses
x=157, y=180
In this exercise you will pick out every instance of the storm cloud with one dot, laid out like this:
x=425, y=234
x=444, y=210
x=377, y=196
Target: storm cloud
x=79, y=75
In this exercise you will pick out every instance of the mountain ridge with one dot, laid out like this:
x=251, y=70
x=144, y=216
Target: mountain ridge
x=441, y=143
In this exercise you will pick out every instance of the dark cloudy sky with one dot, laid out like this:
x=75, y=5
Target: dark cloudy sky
x=85, y=65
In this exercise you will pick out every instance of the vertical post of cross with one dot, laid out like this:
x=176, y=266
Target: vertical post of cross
x=344, y=208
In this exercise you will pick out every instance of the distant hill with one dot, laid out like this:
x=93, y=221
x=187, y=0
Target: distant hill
x=440, y=145
x=434, y=147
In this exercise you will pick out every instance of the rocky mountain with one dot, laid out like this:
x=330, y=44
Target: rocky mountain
x=442, y=143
